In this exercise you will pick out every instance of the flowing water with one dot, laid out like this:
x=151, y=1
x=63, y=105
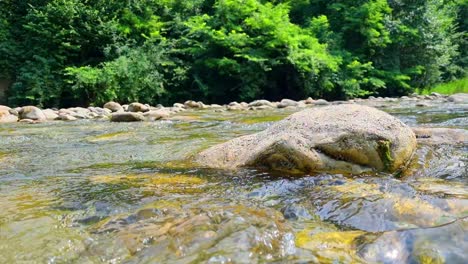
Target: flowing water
x=101, y=192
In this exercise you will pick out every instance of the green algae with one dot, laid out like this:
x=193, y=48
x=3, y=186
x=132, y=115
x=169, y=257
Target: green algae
x=110, y=136
x=262, y=119
x=384, y=149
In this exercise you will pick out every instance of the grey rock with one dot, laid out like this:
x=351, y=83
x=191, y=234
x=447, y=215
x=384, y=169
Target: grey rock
x=287, y=103
x=127, y=117
x=321, y=102
x=157, y=114
x=32, y=112
x=50, y=114
x=258, y=103
x=137, y=107
x=341, y=138
x=460, y=98
x=114, y=107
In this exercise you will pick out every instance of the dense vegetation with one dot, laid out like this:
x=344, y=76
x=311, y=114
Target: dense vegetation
x=68, y=52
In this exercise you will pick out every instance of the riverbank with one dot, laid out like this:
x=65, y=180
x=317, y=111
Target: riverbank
x=135, y=112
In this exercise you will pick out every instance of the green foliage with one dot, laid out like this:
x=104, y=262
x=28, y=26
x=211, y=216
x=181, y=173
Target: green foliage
x=68, y=52
x=458, y=86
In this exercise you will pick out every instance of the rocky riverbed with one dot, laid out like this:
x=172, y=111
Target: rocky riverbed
x=94, y=191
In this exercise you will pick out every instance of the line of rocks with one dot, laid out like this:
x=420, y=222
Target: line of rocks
x=133, y=112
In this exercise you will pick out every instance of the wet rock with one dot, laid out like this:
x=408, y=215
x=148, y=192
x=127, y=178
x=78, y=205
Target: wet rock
x=179, y=105
x=32, y=112
x=422, y=104
x=321, y=102
x=113, y=106
x=435, y=136
x=157, y=114
x=459, y=98
x=127, y=117
x=309, y=100
x=262, y=107
x=101, y=111
x=137, y=107
x=27, y=121
x=193, y=104
x=235, y=106
x=347, y=138
x=439, y=244
x=330, y=247
x=6, y=117
x=287, y=103
x=67, y=117
x=216, y=106
x=50, y=114
x=5, y=108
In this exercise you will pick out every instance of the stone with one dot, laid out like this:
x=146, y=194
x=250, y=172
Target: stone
x=127, y=117
x=6, y=117
x=32, y=112
x=258, y=103
x=309, y=100
x=459, y=98
x=437, y=136
x=422, y=104
x=4, y=107
x=137, y=107
x=339, y=138
x=179, y=105
x=216, y=106
x=50, y=114
x=287, y=103
x=65, y=117
x=157, y=114
x=114, y=107
x=27, y=121
x=193, y=104
x=235, y=106
x=321, y=102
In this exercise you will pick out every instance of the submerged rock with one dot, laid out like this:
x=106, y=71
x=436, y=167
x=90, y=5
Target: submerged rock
x=341, y=138
x=127, y=117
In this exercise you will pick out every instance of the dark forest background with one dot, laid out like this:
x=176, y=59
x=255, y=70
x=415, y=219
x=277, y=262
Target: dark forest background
x=80, y=52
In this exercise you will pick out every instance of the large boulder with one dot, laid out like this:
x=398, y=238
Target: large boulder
x=32, y=112
x=339, y=138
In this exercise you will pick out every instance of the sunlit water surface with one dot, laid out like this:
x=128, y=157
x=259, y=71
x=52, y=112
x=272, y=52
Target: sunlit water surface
x=101, y=192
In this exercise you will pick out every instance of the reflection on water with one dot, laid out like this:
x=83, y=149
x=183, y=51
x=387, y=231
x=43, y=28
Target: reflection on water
x=93, y=192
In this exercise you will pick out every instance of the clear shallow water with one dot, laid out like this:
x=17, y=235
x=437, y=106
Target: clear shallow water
x=100, y=192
